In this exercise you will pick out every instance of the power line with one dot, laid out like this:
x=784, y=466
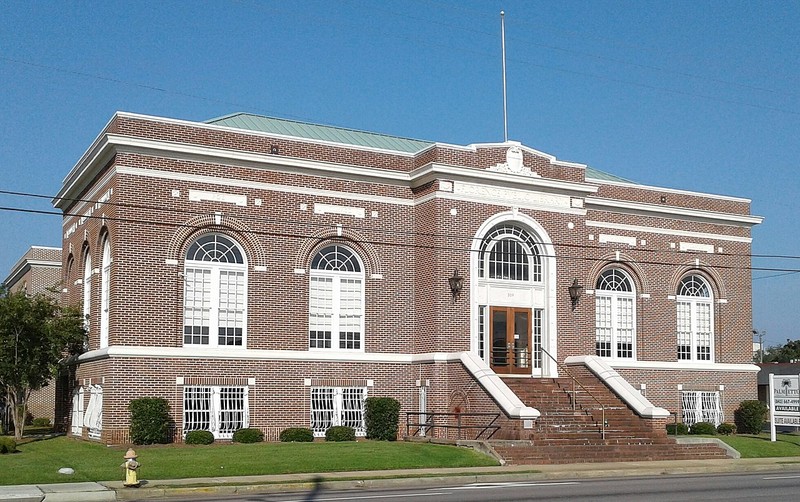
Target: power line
x=412, y=233
x=380, y=242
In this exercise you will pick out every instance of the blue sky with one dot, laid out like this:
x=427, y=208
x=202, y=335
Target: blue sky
x=695, y=95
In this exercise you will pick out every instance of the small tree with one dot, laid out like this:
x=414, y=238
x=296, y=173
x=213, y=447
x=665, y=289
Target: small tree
x=36, y=335
x=150, y=420
x=750, y=417
x=381, y=417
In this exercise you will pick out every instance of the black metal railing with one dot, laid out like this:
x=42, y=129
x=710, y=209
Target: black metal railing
x=575, y=381
x=426, y=424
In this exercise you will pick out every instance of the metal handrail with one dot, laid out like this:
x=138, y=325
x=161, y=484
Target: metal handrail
x=430, y=423
x=574, y=381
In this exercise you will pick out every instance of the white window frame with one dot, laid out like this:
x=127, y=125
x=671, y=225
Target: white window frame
x=328, y=305
x=87, y=289
x=498, y=241
x=701, y=406
x=205, y=307
x=105, y=292
x=77, y=412
x=610, y=315
x=690, y=315
x=93, y=415
x=332, y=406
x=216, y=406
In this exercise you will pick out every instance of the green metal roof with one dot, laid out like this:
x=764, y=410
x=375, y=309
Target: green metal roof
x=320, y=132
x=297, y=129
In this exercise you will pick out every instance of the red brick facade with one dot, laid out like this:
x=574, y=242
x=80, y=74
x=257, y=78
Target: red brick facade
x=150, y=186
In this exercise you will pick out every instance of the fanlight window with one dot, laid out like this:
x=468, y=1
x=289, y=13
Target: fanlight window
x=695, y=320
x=336, y=300
x=215, y=293
x=615, y=315
x=508, y=252
x=214, y=248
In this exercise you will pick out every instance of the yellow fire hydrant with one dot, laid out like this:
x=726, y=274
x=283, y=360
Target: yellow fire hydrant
x=130, y=467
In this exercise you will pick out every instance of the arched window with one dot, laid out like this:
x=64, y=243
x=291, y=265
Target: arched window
x=615, y=315
x=508, y=252
x=336, y=300
x=105, y=292
x=87, y=287
x=695, y=320
x=215, y=293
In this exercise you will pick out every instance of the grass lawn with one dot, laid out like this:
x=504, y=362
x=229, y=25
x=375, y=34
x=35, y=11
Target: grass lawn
x=38, y=461
x=759, y=446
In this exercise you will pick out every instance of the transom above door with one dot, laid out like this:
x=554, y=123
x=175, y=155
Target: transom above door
x=515, y=343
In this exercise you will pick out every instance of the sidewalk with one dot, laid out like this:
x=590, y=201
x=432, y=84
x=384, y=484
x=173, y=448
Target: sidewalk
x=199, y=487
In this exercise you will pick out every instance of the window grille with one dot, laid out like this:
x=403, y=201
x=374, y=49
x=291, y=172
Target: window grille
x=77, y=411
x=509, y=253
x=615, y=315
x=332, y=406
x=219, y=410
x=215, y=293
x=695, y=333
x=700, y=406
x=336, y=300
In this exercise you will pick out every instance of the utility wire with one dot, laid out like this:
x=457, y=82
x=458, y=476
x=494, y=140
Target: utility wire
x=410, y=233
x=415, y=245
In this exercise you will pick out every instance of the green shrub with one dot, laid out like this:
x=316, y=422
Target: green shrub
x=726, y=429
x=150, y=420
x=248, y=436
x=678, y=429
x=340, y=433
x=381, y=416
x=703, y=428
x=750, y=417
x=199, y=437
x=7, y=444
x=297, y=435
x=41, y=422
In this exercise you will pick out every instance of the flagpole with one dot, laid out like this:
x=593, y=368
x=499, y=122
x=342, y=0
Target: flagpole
x=505, y=110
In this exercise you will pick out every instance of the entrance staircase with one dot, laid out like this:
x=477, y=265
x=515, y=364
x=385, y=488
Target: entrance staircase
x=574, y=434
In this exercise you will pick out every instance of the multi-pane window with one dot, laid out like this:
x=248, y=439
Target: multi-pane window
x=508, y=252
x=215, y=293
x=105, y=292
x=87, y=287
x=336, y=300
x=699, y=406
x=615, y=315
x=219, y=410
x=331, y=406
x=695, y=320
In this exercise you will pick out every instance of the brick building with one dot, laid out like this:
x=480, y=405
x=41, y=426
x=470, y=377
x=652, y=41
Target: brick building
x=37, y=271
x=269, y=273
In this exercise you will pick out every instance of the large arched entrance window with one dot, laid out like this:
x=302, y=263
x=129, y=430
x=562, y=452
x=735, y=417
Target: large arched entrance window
x=695, y=320
x=105, y=292
x=336, y=300
x=511, y=297
x=615, y=315
x=215, y=293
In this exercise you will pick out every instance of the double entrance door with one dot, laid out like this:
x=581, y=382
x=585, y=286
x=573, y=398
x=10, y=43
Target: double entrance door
x=515, y=340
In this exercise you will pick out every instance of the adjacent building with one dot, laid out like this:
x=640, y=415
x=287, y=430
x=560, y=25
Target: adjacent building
x=38, y=271
x=269, y=273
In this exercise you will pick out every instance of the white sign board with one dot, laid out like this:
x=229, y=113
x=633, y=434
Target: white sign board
x=784, y=401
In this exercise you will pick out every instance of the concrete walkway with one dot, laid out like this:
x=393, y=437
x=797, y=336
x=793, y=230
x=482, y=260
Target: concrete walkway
x=242, y=485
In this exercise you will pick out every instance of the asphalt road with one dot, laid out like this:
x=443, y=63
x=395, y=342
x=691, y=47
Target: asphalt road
x=729, y=487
